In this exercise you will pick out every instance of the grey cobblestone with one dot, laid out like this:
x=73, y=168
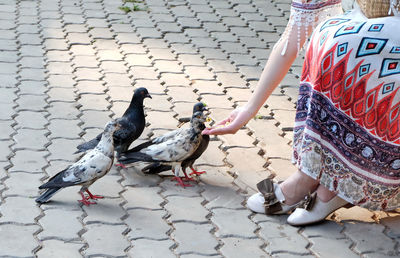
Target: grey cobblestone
x=237, y=248
x=53, y=248
x=25, y=244
x=68, y=230
x=147, y=224
x=186, y=209
x=187, y=233
x=145, y=248
x=99, y=236
x=231, y=223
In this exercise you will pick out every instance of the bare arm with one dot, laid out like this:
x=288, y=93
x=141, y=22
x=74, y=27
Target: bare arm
x=274, y=71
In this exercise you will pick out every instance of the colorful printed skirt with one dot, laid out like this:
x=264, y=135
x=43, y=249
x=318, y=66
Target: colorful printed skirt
x=347, y=129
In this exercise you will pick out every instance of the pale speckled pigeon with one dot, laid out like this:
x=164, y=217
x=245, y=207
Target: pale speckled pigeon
x=171, y=148
x=92, y=166
x=156, y=168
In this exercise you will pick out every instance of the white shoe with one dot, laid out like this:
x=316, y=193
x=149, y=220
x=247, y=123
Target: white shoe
x=318, y=212
x=257, y=203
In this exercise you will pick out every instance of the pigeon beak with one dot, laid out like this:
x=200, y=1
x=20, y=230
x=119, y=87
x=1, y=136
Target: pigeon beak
x=148, y=96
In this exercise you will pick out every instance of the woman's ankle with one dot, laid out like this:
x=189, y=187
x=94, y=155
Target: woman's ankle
x=297, y=186
x=324, y=194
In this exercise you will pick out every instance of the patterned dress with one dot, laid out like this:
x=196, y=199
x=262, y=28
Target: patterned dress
x=347, y=128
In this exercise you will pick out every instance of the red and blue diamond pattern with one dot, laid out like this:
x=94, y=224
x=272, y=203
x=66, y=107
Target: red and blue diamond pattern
x=356, y=87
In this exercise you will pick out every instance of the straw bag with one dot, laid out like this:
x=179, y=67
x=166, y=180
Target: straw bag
x=374, y=8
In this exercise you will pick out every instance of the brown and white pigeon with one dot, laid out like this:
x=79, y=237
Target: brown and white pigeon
x=92, y=166
x=156, y=168
x=171, y=148
x=132, y=125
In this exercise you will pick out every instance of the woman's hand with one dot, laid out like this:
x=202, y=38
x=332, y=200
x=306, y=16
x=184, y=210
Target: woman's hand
x=230, y=125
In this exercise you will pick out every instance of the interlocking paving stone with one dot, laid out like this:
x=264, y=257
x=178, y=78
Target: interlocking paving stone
x=238, y=248
x=171, y=189
x=28, y=189
x=108, y=186
x=56, y=248
x=94, y=102
x=282, y=237
x=325, y=247
x=182, y=94
x=172, y=79
x=31, y=102
x=62, y=149
x=19, y=210
x=163, y=120
x=159, y=103
x=25, y=244
x=95, y=118
x=191, y=239
x=67, y=229
x=30, y=139
x=117, y=79
x=28, y=161
x=215, y=176
x=233, y=223
x=369, y=238
x=64, y=110
x=61, y=128
x=91, y=87
x=222, y=196
x=61, y=80
x=134, y=177
x=186, y=209
x=61, y=94
x=145, y=248
x=106, y=211
x=99, y=237
x=231, y=80
x=148, y=224
x=5, y=129
x=142, y=198
x=241, y=139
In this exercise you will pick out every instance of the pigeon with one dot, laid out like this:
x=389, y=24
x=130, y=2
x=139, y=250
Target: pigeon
x=156, y=168
x=92, y=166
x=171, y=148
x=132, y=125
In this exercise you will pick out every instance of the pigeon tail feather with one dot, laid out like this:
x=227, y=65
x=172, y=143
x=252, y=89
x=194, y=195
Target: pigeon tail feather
x=45, y=197
x=128, y=158
x=156, y=168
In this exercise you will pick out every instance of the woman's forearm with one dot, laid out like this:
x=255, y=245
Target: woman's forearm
x=274, y=71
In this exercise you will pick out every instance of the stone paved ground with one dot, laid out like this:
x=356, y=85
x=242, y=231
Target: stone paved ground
x=67, y=67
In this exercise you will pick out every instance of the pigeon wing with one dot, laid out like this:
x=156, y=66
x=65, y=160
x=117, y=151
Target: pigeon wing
x=63, y=178
x=175, y=149
x=88, y=145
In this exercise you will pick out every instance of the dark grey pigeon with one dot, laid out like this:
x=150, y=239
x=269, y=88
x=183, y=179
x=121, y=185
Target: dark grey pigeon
x=132, y=125
x=171, y=148
x=92, y=166
x=156, y=168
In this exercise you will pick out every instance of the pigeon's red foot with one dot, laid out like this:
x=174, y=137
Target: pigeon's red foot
x=180, y=182
x=120, y=165
x=93, y=196
x=85, y=201
x=187, y=178
x=197, y=173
